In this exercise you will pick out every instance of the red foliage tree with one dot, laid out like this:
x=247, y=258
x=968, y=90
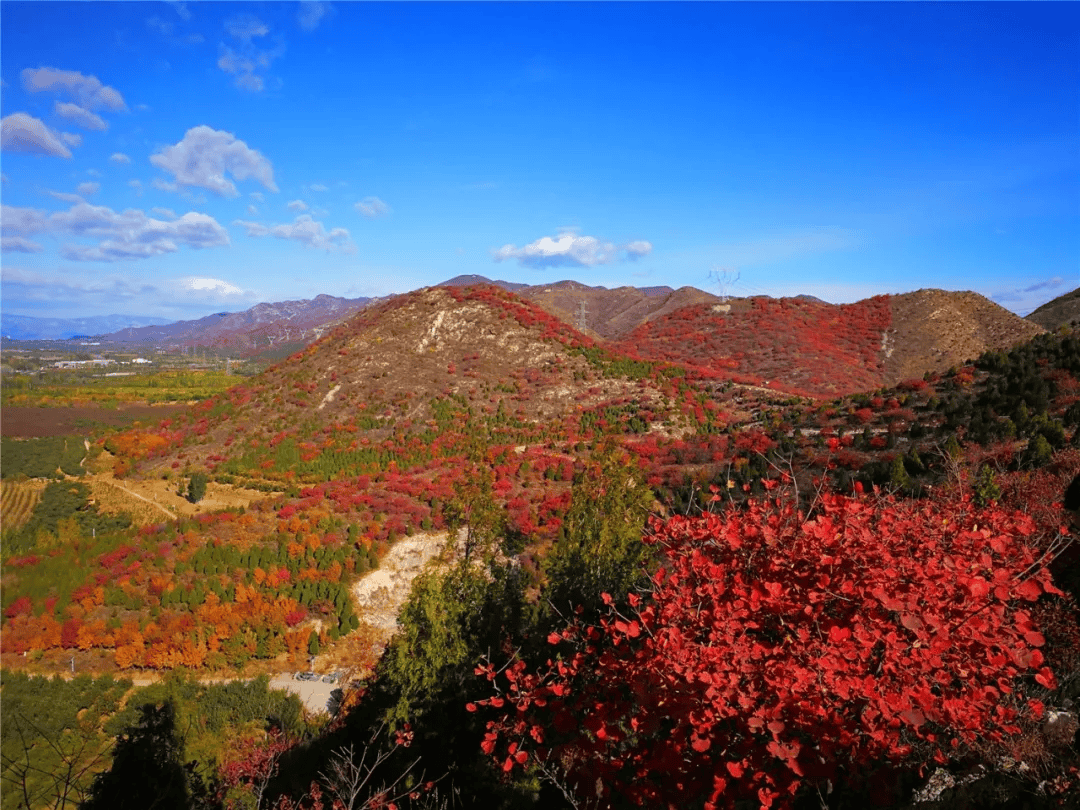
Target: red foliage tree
x=775, y=651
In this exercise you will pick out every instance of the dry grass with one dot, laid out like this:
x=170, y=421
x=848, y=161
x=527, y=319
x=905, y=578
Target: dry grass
x=153, y=500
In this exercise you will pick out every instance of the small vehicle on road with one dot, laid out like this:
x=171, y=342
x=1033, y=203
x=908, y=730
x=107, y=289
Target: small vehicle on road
x=306, y=676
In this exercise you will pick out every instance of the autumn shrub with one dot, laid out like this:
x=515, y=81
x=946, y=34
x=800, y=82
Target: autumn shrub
x=774, y=652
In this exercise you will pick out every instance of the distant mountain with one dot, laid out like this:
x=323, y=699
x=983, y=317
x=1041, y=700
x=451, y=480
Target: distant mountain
x=26, y=327
x=1064, y=309
x=261, y=327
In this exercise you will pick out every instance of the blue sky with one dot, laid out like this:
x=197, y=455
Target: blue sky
x=179, y=159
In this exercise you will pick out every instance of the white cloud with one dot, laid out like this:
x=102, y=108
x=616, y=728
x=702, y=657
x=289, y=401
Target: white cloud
x=372, y=207
x=298, y=205
x=163, y=212
x=127, y=235
x=66, y=196
x=205, y=286
x=318, y=187
x=32, y=287
x=71, y=139
x=306, y=231
x=80, y=116
x=570, y=249
x=20, y=132
x=88, y=91
x=136, y=185
x=162, y=185
x=18, y=244
x=81, y=292
x=86, y=189
x=247, y=62
x=204, y=155
x=119, y=157
x=16, y=221
x=252, y=209
x=311, y=13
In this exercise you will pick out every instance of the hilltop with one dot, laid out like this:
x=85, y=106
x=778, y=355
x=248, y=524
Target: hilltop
x=1065, y=309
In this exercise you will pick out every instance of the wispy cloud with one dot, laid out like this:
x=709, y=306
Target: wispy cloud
x=119, y=157
x=87, y=91
x=311, y=13
x=86, y=189
x=80, y=116
x=1023, y=300
x=372, y=207
x=298, y=205
x=203, y=157
x=20, y=132
x=66, y=196
x=568, y=249
x=247, y=62
x=18, y=244
x=58, y=291
x=304, y=230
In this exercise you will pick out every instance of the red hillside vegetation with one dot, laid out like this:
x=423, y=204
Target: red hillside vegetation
x=804, y=347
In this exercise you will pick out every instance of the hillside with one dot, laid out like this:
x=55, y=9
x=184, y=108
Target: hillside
x=260, y=327
x=399, y=370
x=808, y=347
x=933, y=330
x=1065, y=309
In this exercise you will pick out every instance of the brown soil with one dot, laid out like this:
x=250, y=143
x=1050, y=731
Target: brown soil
x=23, y=422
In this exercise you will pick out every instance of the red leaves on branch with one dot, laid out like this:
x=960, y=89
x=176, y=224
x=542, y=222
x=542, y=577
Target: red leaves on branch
x=776, y=650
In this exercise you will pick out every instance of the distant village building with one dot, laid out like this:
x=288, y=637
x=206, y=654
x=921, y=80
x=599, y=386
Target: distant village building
x=141, y=360
x=82, y=363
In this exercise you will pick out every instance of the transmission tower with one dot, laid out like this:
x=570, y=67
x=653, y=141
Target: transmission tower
x=724, y=278
x=581, y=316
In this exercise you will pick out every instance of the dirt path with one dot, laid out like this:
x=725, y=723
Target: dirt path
x=142, y=498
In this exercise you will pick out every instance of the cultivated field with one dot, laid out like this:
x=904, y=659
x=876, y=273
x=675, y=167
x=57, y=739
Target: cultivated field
x=17, y=501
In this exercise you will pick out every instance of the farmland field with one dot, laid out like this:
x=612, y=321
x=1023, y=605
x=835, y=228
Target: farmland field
x=17, y=501
x=30, y=422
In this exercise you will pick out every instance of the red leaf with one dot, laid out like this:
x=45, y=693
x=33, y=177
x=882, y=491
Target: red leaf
x=1029, y=589
x=1046, y=678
